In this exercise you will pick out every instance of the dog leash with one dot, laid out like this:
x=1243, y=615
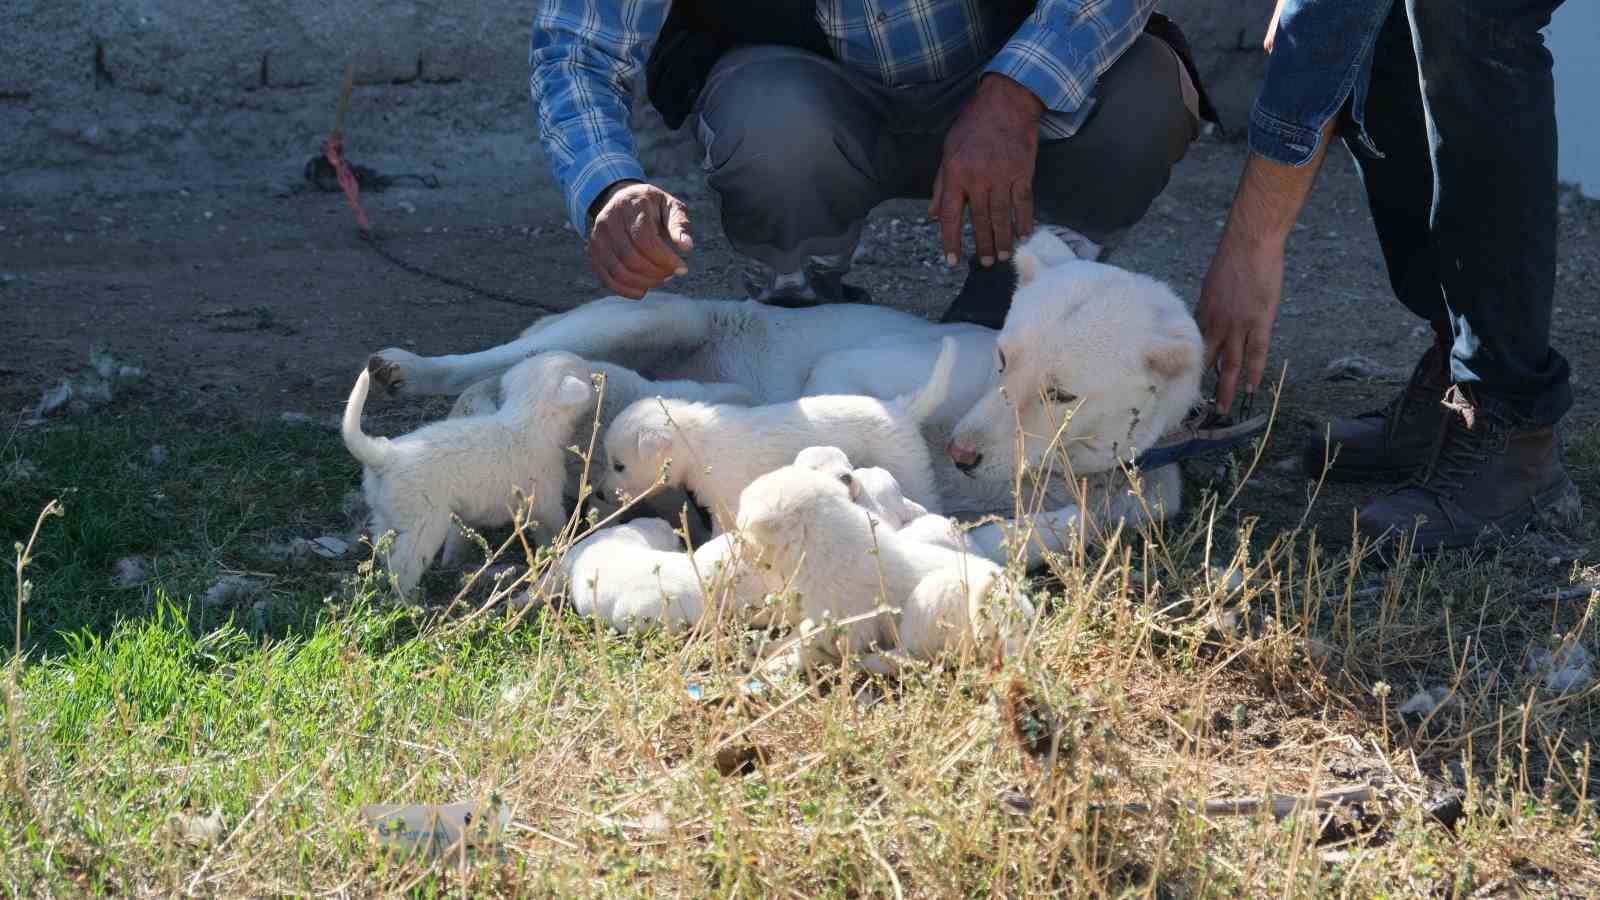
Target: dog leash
x=1204, y=431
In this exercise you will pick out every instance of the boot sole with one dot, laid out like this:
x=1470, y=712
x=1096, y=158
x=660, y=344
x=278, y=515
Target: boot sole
x=1560, y=505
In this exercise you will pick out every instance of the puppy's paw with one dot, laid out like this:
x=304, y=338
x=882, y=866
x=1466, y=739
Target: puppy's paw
x=389, y=368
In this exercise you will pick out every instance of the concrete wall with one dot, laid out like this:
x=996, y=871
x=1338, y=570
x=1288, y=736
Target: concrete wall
x=108, y=92
x=1574, y=38
x=168, y=90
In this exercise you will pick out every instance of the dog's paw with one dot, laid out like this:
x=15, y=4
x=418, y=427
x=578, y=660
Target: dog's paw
x=389, y=368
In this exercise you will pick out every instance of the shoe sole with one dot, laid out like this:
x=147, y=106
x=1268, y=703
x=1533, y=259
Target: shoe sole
x=1559, y=505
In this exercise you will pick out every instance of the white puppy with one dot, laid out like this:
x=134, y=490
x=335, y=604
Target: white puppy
x=823, y=547
x=471, y=466
x=623, y=386
x=874, y=488
x=636, y=575
x=718, y=450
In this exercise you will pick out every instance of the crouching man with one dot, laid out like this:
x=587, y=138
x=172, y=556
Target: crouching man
x=811, y=114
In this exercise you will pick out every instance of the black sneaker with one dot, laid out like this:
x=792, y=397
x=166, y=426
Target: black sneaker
x=985, y=296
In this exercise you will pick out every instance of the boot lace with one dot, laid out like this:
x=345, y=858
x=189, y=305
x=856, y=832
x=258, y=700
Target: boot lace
x=1417, y=395
x=1466, y=442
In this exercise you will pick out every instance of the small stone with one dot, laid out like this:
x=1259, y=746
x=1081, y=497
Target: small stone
x=130, y=372
x=296, y=418
x=54, y=400
x=203, y=829
x=104, y=365
x=7, y=278
x=232, y=590
x=407, y=206
x=1289, y=465
x=1356, y=366
x=131, y=571
x=158, y=455
x=1428, y=702
x=329, y=547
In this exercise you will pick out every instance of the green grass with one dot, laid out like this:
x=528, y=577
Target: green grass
x=137, y=711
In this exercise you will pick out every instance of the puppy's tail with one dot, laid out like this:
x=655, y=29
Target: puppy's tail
x=370, y=451
x=923, y=403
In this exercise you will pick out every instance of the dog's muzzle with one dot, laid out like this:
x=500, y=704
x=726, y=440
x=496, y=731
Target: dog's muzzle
x=965, y=458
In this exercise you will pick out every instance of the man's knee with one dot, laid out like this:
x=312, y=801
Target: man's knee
x=1104, y=178
x=780, y=123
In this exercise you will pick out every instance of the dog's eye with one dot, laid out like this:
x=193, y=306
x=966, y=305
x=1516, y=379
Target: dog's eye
x=1057, y=395
x=618, y=467
x=847, y=479
x=1002, y=355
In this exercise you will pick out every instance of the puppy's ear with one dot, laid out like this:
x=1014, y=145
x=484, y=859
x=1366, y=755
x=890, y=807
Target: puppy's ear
x=1167, y=358
x=653, y=442
x=573, y=391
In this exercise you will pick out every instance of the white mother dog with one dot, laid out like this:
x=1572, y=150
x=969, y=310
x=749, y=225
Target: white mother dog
x=1095, y=363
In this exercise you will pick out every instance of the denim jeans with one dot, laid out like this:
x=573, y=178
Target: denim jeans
x=1462, y=189
x=799, y=149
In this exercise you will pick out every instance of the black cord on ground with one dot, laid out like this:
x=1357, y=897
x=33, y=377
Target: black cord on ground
x=377, y=246
x=321, y=174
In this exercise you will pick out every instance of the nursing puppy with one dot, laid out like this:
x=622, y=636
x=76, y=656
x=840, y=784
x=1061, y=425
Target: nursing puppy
x=717, y=450
x=623, y=386
x=638, y=574
x=824, y=548
x=471, y=467
x=873, y=489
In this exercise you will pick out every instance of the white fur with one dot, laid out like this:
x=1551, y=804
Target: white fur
x=716, y=450
x=1063, y=331
x=874, y=488
x=636, y=575
x=472, y=466
x=826, y=550
x=622, y=386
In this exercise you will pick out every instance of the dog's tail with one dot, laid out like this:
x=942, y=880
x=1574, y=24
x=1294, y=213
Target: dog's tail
x=370, y=451
x=922, y=404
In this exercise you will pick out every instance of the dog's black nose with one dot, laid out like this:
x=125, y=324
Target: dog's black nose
x=971, y=464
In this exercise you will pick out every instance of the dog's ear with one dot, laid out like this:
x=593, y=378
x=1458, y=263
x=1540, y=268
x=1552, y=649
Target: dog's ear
x=573, y=391
x=653, y=442
x=1169, y=357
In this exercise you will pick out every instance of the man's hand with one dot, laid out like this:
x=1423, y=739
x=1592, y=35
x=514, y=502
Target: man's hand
x=637, y=234
x=1239, y=299
x=988, y=167
x=1238, y=304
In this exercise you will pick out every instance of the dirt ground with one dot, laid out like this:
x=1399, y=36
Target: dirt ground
x=262, y=297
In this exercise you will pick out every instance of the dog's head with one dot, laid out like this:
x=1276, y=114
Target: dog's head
x=552, y=388
x=1096, y=359
x=639, y=441
x=779, y=509
x=832, y=462
x=878, y=490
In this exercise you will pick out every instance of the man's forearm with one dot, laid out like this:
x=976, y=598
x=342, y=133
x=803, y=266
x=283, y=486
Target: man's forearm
x=1271, y=196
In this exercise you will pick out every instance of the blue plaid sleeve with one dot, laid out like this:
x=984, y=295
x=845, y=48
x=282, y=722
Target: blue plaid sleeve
x=583, y=57
x=1064, y=47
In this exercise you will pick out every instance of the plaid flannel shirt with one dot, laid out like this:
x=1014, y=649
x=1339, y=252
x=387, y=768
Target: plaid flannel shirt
x=585, y=56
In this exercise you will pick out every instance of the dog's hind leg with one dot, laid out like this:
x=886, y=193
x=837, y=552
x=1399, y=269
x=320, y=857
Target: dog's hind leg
x=609, y=329
x=414, y=550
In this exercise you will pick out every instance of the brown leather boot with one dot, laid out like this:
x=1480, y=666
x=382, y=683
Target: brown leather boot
x=1488, y=477
x=1392, y=443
